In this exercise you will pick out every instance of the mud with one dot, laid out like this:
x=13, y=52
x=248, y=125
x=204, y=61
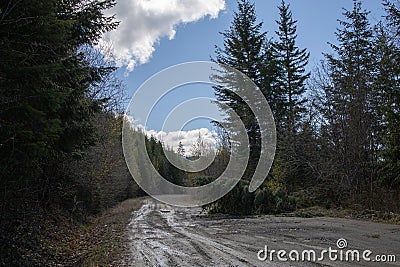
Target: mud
x=161, y=235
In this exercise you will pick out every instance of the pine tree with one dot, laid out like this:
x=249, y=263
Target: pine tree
x=181, y=150
x=352, y=110
x=387, y=51
x=392, y=9
x=243, y=42
x=243, y=51
x=45, y=80
x=291, y=63
x=270, y=74
x=288, y=89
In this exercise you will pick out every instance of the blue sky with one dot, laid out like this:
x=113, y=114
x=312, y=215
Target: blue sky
x=317, y=22
x=185, y=33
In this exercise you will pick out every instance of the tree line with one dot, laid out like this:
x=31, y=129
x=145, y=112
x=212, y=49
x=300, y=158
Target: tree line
x=338, y=127
x=61, y=158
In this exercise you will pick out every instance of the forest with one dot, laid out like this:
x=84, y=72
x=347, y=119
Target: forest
x=337, y=126
x=62, y=110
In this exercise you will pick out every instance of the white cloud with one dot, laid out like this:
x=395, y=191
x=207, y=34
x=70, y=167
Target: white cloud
x=144, y=22
x=187, y=138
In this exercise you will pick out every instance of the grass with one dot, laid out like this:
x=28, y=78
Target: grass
x=365, y=215
x=100, y=242
x=110, y=246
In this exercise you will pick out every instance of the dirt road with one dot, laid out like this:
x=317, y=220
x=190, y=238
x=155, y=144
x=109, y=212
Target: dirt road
x=161, y=235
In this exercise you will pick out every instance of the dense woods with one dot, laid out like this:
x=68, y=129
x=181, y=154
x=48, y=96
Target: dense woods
x=60, y=153
x=338, y=127
x=61, y=159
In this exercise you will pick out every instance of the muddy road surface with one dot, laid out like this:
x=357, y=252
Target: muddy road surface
x=161, y=235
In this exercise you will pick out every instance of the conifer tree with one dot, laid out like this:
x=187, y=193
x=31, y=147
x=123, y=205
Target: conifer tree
x=291, y=63
x=352, y=99
x=44, y=108
x=288, y=92
x=181, y=150
x=387, y=51
x=243, y=50
x=243, y=42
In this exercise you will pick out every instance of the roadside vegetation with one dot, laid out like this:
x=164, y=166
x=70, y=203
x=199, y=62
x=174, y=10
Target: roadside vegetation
x=338, y=127
x=61, y=162
x=66, y=194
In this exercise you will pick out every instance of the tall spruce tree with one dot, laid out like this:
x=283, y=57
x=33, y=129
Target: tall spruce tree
x=289, y=101
x=270, y=73
x=388, y=83
x=243, y=50
x=243, y=42
x=291, y=63
x=352, y=110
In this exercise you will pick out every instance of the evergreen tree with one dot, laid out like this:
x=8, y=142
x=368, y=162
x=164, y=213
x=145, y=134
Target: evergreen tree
x=387, y=51
x=243, y=51
x=270, y=86
x=45, y=80
x=181, y=150
x=288, y=89
x=352, y=100
x=243, y=43
x=291, y=62
x=392, y=9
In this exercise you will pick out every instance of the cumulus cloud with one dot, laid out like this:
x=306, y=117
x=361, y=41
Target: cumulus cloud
x=144, y=22
x=187, y=138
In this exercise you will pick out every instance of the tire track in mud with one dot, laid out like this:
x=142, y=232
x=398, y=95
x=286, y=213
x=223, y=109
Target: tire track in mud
x=161, y=235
